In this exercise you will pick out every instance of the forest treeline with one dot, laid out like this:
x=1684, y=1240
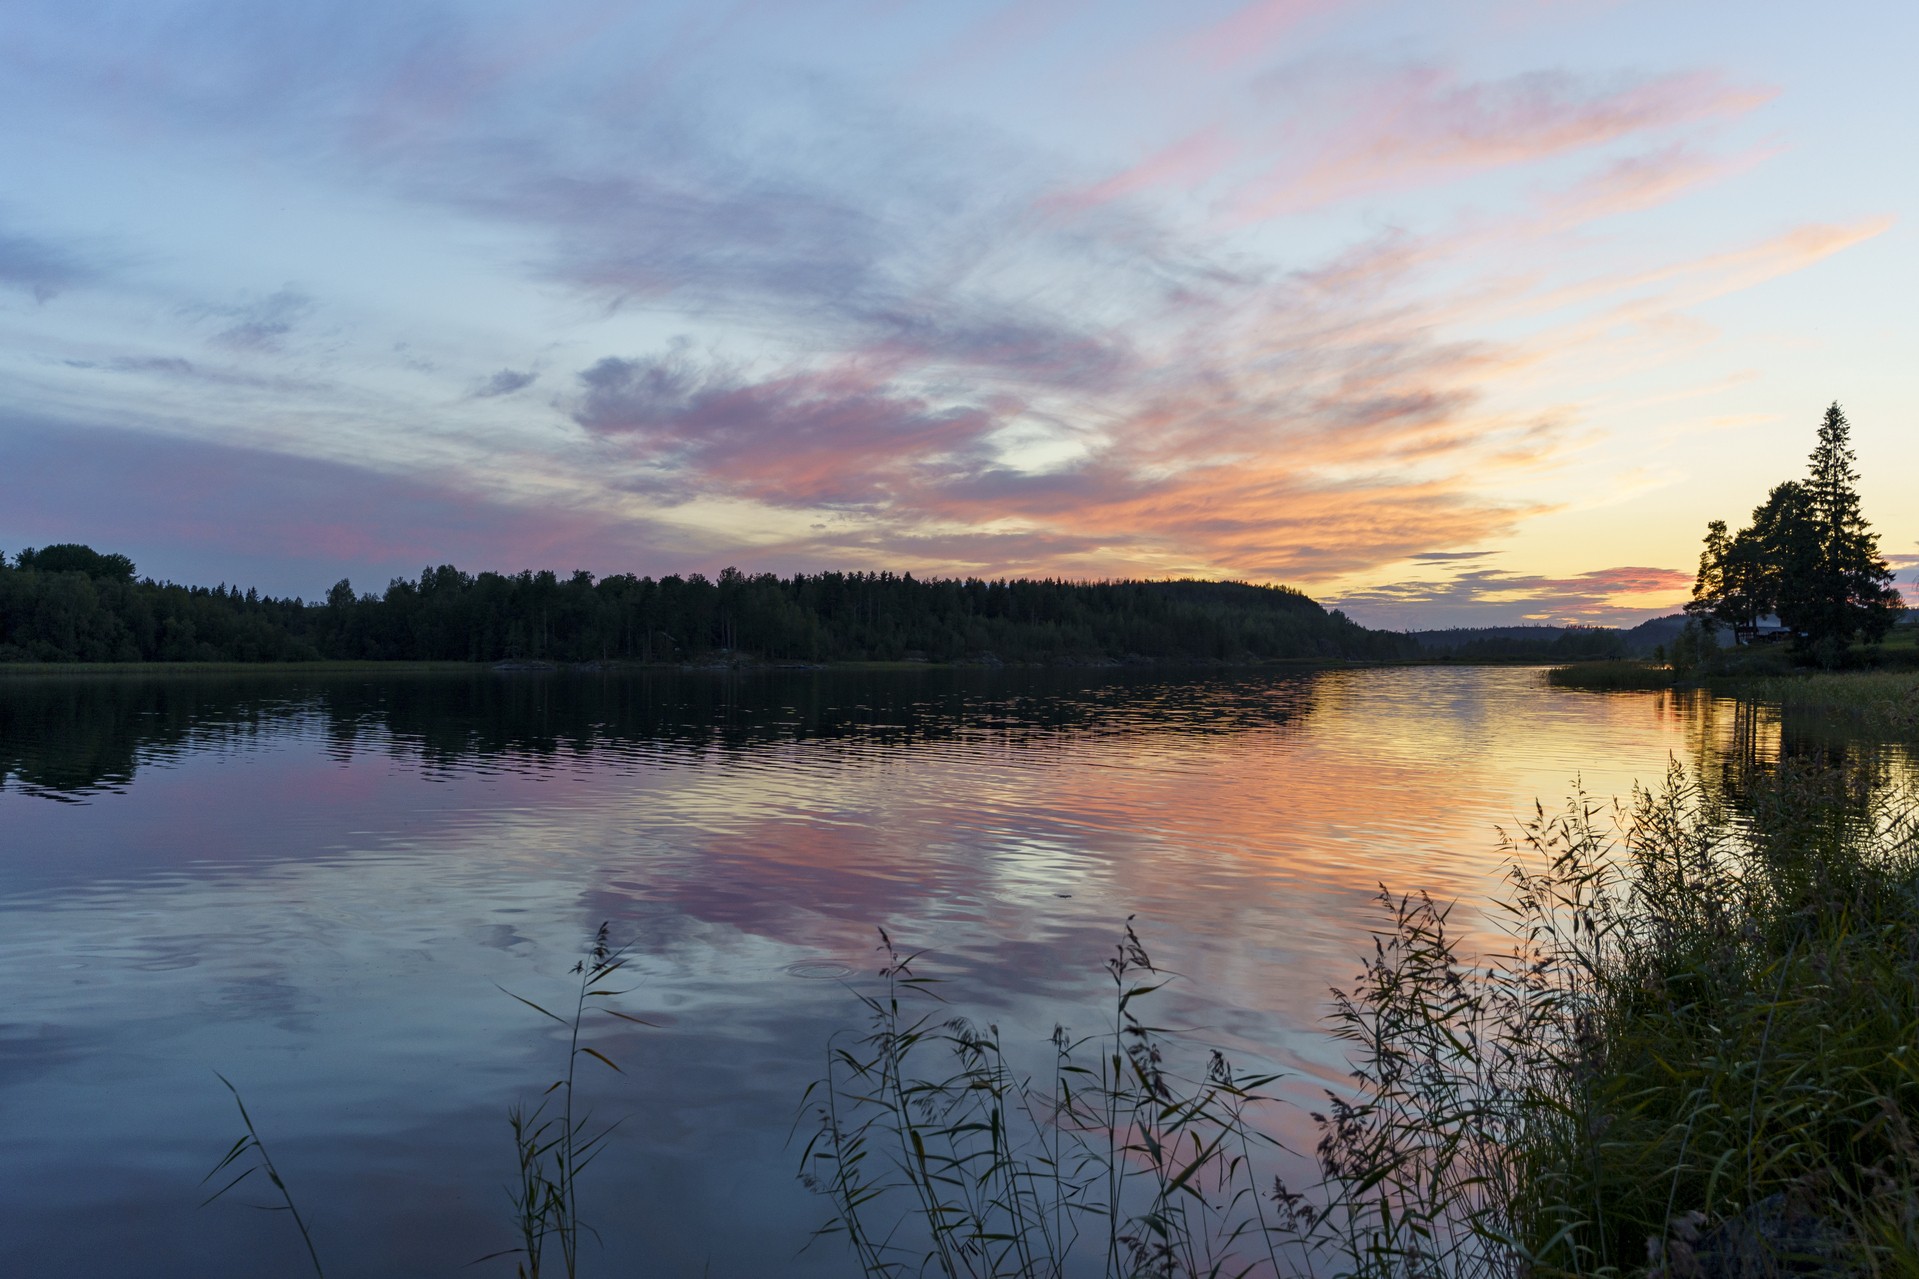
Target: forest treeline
x=72, y=604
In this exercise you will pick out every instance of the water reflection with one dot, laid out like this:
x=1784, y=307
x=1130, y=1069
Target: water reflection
x=1739, y=748
x=65, y=737
x=315, y=885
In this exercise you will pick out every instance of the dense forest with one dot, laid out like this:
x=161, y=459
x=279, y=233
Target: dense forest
x=72, y=604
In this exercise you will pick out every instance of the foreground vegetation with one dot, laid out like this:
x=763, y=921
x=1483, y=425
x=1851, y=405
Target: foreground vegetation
x=72, y=604
x=1700, y=1057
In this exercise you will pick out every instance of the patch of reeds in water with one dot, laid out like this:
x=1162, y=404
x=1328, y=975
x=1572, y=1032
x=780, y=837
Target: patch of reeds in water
x=1612, y=676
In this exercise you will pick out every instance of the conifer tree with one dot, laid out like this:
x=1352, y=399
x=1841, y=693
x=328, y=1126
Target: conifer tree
x=1840, y=587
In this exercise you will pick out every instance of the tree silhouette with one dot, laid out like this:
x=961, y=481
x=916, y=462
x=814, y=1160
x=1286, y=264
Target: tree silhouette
x=71, y=557
x=1809, y=556
x=1841, y=586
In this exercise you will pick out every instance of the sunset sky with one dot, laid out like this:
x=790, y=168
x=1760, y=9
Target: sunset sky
x=1447, y=313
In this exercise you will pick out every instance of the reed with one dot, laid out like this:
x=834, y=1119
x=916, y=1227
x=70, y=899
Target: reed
x=555, y=1140
x=1883, y=703
x=1612, y=677
x=1112, y=1162
x=1697, y=1056
x=251, y=1155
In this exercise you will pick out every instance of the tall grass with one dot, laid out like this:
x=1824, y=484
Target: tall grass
x=1609, y=677
x=249, y=1154
x=1113, y=1163
x=1695, y=1056
x=555, y=1140
x=1698, y=1056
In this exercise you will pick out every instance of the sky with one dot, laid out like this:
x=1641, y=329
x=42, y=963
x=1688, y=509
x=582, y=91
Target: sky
x=1446, y=313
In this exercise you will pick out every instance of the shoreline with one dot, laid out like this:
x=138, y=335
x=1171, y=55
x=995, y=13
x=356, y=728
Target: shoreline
x=533, y=666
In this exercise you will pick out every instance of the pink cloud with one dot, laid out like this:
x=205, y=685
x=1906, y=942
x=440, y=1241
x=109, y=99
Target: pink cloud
x=1251, y=31
x=1183, y=164
x=1423, y=126
x=1647, y=180
x=807, y=439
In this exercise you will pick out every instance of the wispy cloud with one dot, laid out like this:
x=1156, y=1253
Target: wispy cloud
x=1423, y=125
x=802, y=439
x=1250, y=32
x=505, y=382
x=259, y=324
x=1609, y=596
x=40, y=268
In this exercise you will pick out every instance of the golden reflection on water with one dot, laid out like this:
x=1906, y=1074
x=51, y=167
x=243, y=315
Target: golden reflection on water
x=315, y=887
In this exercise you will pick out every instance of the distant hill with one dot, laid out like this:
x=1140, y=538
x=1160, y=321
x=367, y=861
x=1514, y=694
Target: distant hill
x=1522, y=643
x=68, y=603
x=1554, y=643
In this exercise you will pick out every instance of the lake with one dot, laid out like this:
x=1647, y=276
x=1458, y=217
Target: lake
x=321, y=885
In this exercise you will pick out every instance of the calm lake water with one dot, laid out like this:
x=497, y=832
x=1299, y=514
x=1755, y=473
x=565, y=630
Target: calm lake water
x=317, y=885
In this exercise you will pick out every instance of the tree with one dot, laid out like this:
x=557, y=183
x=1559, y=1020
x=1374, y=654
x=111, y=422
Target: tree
x=1809, y=556
x=71, y=557
x=1740, y=576
x=1839, y=586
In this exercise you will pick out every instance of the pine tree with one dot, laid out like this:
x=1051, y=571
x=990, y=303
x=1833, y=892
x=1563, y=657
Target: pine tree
x=1837, y=586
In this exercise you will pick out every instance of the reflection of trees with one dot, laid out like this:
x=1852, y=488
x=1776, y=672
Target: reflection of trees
x=67, y=736
x=1741, y=749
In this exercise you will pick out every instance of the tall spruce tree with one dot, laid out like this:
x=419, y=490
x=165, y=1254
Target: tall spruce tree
x=1842, y=588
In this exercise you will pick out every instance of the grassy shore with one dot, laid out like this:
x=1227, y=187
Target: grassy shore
x=1878, y=702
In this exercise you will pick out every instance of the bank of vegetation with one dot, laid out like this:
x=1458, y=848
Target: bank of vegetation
x=71, y=604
